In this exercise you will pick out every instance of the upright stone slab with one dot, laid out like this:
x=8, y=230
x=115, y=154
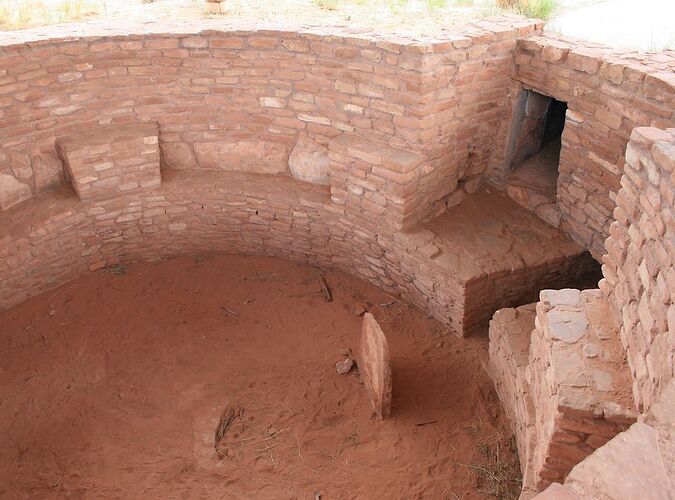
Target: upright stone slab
x=375, y=367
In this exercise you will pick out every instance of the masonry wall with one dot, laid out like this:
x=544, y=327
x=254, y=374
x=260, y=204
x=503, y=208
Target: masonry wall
x=561, y=373
x=608, y=93
x=588, y=348
x=639, y=267
x=238, y=99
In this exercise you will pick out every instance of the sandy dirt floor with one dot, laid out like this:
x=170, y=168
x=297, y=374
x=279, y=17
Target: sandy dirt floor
x=112, y=386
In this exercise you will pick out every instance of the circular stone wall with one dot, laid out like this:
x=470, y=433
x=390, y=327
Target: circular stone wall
x=230, y=106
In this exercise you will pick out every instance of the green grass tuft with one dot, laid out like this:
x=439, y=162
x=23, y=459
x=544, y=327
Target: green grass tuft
x=436, y=4
x=326, y=4
x=537, y=9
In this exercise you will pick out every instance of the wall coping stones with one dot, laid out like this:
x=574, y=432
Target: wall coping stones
x=610, y=63
x=459, y=37
x=398, y=160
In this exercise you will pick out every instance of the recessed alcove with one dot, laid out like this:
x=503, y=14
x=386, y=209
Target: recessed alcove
x=535, y=149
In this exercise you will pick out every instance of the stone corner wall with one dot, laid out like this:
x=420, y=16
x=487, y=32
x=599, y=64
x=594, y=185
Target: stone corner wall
x=637, y=463
x=608, y=92
x=639, y=266
x=561, y=374
x=588, y=349
x=579, y=378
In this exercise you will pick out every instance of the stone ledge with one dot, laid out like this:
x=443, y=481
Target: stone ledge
x=436, y=266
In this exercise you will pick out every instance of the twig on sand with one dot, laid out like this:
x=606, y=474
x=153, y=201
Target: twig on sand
x=260, y=439
x=428, y=422
x=289, y=410
x=324, y=286
x=267, y=448
x=229, y=415
x=230, y=311
x=451, y=492
x=303, y=458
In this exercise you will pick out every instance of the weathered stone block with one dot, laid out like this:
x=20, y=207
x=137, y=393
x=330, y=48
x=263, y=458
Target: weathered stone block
x=12, y=191
x=309, y=161
x=375, y=366
x=243, y=155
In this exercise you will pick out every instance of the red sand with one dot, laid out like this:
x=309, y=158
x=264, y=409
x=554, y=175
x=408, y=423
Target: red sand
x=113, y=385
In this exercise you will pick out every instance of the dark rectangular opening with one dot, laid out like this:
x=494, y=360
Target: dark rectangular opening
x=535, y=153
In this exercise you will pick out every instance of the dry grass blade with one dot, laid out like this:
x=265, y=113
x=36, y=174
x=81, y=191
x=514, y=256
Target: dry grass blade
x=230, y=311
x=498, y=475
x=229, y=415
x=326, y=291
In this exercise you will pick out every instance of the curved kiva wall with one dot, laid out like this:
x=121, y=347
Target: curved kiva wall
x=388, y=132
x=238, y=99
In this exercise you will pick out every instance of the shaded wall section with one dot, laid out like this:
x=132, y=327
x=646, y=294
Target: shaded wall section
x=639, y=267
x=608, y=93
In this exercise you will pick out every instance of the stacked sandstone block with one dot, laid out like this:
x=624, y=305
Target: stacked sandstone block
x=510, y=332
x=239, y=99
x=608, y=92
x=370, y=178
x=111, y=160
x=569, y=396
x=637, y=463
x=639, y=267
x=579, y=381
